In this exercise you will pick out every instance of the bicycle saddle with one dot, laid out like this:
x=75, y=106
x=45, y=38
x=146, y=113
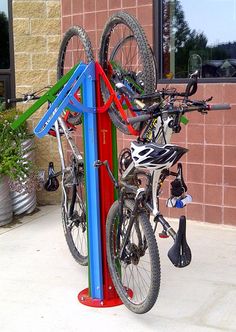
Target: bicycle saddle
x=180, y=253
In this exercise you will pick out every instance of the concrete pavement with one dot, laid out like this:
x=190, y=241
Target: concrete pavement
x=39, y=283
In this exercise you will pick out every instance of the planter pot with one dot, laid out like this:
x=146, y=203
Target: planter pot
x=6, y=212
x=24, y=201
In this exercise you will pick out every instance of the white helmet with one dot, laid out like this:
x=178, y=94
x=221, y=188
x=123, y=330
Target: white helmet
x=155, y=156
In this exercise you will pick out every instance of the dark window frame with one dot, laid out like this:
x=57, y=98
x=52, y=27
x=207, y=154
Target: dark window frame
x=8, y=75
x=158, y=45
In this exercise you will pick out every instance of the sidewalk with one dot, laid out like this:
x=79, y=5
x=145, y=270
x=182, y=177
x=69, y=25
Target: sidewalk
x=40, y=282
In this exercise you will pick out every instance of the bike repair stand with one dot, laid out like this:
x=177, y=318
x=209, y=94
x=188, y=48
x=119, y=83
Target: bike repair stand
x=100, y=144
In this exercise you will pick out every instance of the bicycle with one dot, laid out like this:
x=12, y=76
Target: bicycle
x=72, y=182
x=132, y=251
x=131, y=69
x=75, y=47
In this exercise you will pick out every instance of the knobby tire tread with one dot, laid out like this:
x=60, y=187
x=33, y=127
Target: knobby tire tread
x=83, y=36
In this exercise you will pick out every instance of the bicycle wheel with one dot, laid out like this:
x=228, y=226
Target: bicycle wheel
x=125, y=55
x=74, y=211
x=136, y=273
x=75, y=47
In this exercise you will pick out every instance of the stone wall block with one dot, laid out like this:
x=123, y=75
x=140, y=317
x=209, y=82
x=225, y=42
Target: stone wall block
x=45, y=26
x=30, y=44
x=52, y=77
x=42, y=61
x=53, y=43
x=34, y=78
x=53, y=9
x=29, y=9
x=21, y=26
x=22, y=62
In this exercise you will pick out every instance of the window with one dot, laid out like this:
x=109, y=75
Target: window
x=197, y=35
x=4, y=41
x=6, y=51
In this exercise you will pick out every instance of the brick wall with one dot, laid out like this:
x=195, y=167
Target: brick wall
x=37, y=36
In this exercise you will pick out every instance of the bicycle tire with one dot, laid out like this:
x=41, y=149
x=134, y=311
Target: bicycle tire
x=74, y=215
x=121, y=269
x=85, y=54
x=122, y=20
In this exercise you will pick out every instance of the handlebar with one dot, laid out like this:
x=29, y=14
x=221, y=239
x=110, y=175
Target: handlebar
x=219, y=107
x=140, y=118
x=25, y=98
x=204, y=108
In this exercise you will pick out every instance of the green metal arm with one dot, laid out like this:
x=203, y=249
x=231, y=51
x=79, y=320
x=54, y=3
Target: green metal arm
x=49, y=96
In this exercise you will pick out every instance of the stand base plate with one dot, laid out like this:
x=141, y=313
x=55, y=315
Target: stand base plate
x=85, y=299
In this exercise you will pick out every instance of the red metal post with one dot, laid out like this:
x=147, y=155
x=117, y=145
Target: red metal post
x=106, y=187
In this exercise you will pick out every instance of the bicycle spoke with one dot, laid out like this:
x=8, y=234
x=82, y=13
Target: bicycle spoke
x=75, y=225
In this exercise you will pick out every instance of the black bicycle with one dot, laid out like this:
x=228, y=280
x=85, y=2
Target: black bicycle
x=132, y=250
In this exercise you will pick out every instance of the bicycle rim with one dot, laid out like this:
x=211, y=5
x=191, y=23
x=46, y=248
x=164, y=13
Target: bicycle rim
x=136, y=275
x=74, y=216
x=125, y=54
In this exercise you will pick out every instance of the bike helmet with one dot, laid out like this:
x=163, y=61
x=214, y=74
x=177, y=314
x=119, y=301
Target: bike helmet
x=155, y=156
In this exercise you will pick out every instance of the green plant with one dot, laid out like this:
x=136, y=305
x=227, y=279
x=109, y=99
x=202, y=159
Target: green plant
x=12, y=163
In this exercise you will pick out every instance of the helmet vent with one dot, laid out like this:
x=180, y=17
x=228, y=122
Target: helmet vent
x=143, y=152
x=160, y=152
x=147, y=160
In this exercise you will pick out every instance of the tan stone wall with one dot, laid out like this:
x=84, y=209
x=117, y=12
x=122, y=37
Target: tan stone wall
x=37, y=36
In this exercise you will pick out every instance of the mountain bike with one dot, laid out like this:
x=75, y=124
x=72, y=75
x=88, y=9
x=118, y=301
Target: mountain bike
x=72, y=182
x=75, y=47
x=132, y=250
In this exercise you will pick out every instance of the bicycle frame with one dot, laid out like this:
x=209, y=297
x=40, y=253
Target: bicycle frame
x=61, y=122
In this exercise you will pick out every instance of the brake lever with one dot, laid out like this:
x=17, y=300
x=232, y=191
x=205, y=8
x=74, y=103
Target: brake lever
x=209, y=99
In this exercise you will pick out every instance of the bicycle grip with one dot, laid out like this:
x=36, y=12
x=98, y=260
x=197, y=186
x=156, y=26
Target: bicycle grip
x=219, y=107
x=26, y=98
x=15, y=100
x=139, y=118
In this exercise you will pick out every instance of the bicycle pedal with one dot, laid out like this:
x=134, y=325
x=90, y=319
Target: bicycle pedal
x=163, y=235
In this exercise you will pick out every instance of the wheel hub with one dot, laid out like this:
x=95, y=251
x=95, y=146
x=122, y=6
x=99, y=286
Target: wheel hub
x=79, y=220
